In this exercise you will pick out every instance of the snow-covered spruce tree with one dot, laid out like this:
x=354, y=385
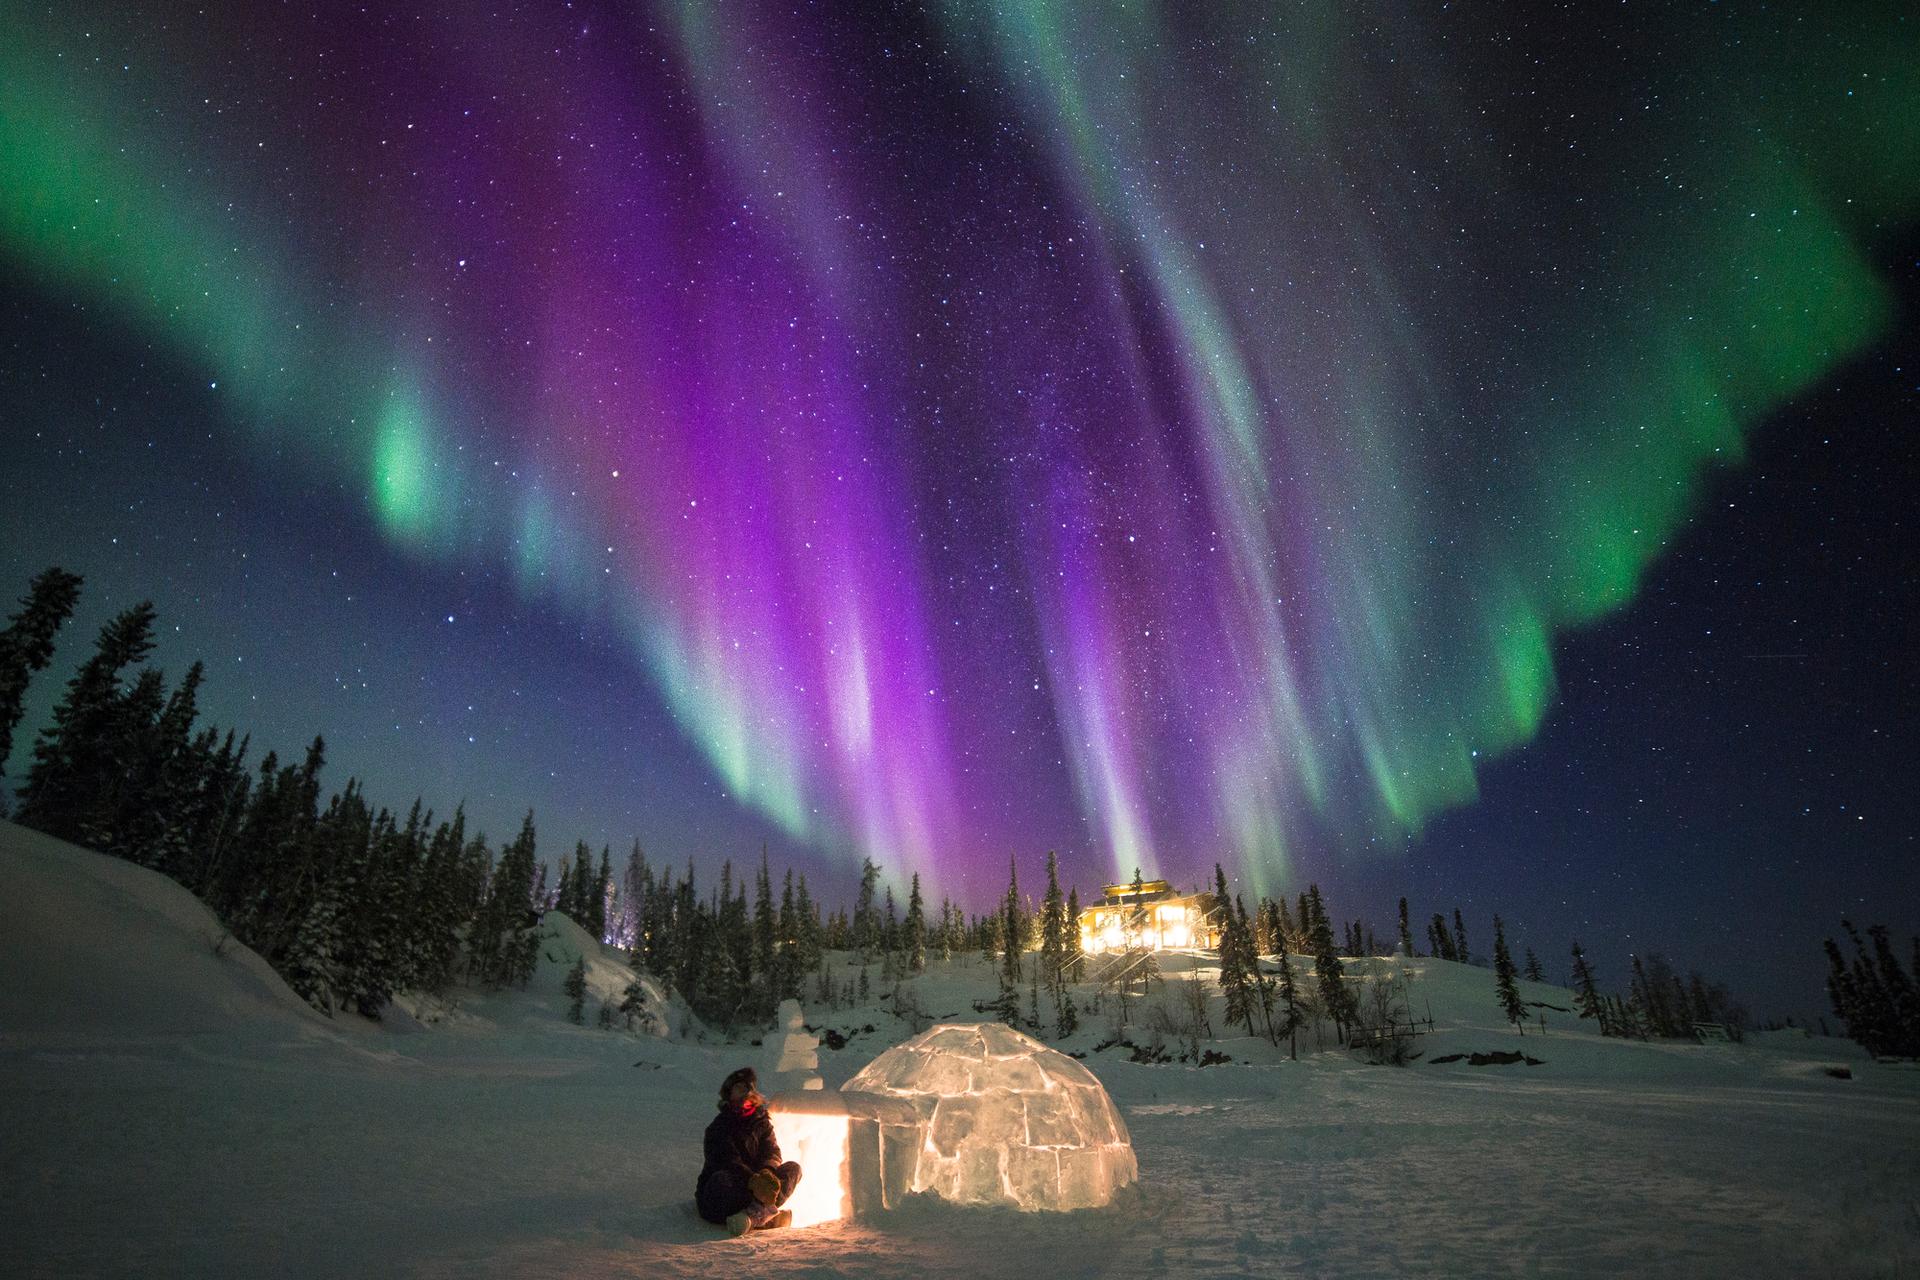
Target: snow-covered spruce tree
x=163, y=772
x=1291, y=937
x=505, y=937
x=809, y=936
x=1061, y=950
x=890, y=929
x=213, y=811
x=436, y=918
x=1012, y=928
x=128, y=740
x=1053, y=940
x=26, y=645
x=913, y=937
x=1259, y=985
x=576, y=988
x=1234, y=978
x=273, y=877
x=1292, y=1016
x=563, y=896
x=785, y=976
x=75, y=756
x=1503, y=980
x=603, y=896
x=1406, y=933
x=865, y=927
x=765, y=929
x=656, y=929
x=317, y=956
x=1587, y=993
x=583, y=886
x=632, y=898
x=1336, y=1001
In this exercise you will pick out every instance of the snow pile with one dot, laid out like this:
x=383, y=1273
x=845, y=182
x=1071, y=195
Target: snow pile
x=1006, y=1119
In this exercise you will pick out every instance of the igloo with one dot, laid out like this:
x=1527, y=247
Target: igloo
x=1001, y=1119
x=974, y=1113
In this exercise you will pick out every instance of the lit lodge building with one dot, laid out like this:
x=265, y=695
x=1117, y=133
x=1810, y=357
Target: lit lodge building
x=1148, y=915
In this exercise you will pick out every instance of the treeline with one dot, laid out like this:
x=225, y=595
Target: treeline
x=1877, y=999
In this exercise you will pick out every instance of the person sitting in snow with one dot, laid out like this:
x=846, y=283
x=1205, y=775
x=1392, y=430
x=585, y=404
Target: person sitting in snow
x=744, y=1182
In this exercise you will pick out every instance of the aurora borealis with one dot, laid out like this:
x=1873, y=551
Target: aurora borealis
x=1164, y=433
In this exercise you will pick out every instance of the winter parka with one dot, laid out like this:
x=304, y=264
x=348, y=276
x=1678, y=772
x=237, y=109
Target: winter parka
x=737, y=1147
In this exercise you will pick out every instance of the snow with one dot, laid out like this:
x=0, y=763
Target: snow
x=170, y=1111
x=793, y=1055
x=1003, y=1119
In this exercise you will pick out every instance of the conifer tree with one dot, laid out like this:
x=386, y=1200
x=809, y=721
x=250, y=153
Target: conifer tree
x=602, y=890
x=1335, y=998
x=1292, y=1015
x=721, y=988
x=1874, y=996
x=786, y=958
x=1533, y=971
x=504, y=941
x=1053, y=931
x=634, y=886
x=865, y=928
x=26, y=645
x=1267, y=937
x=765, y=930
x=1259, y=988
x=1012, y=929
x=583, y=882
x=76, y=758
x=576, y=989
x=633, y=1003
x=1591, y=1006
x=809, y=945
x=1235, y=981
x=1463, y=954
x=166, y=770
x=1406, y=934
x=1503, y=979
x=914, y=932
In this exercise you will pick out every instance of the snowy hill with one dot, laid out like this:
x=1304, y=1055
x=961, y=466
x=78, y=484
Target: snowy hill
x=172, y=1109
x=99, y=950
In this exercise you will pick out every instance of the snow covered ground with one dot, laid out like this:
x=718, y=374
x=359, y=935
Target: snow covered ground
x=167, y=1110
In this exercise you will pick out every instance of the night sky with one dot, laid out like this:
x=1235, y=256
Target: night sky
x=1456, y=453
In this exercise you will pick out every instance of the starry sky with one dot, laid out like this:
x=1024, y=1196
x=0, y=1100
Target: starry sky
x=1459, y=452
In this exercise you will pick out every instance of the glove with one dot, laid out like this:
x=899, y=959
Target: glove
x=765, y=1187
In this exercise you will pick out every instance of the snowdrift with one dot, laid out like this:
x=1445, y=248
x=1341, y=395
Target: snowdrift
x=95, y=949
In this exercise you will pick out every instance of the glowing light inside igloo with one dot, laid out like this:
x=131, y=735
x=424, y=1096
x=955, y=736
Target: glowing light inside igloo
x=818, y=1140
x=1004, y=1119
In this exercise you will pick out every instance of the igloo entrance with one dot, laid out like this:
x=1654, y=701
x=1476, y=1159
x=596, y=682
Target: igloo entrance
x=975, y=1114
